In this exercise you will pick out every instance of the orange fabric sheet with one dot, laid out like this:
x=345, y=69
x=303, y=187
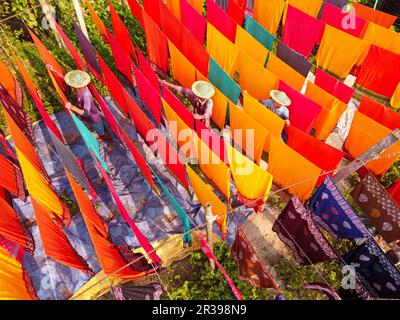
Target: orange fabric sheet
x=263, y=116
x=395, y=100
x=11, y=177
x=365, y=133
x=339, y=51
x=205, y=194
x=269, y=13
x=284, y=72
x=250, y=179
x=13, y=285
x=221, y=49
x=175, y=7
x=7, y=80
x=197, y=5
x=251, y=46
x=107, y=253
x=183, y=71
x=97, y=21
x=311, y=7
x=219, y=108
x=382, y=37
x=248, y=134
x=254, y=78
x=382, y=18
x=289, y=168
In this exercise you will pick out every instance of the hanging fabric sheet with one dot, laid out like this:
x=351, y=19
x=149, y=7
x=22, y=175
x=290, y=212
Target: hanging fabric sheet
x=380, y=113
x=339, y=51
x=382, y=18
x=15, y=281
x=236, y=12
x=372, y=265
x=182, y=70
x=318, y=152
x=220, y=107
x=310, y=7
x=331, y=210
x=146, y=292
x=296, y=228
x=303, y=111
x=193, y=21
x=263, y=116
x=5, y=148
x=379, y=72
x=205, y=195
x=11, y=85
x=197, y=5
x=259, y=87
x=301, y=40
x=225, y=58
x=152, y=10
x=381, y=210
x=335, y=87
x=251, y=268
x=258, y=32
x=283, y=164
x=147, y=70
x=285, y=72
x=13, y=229
x=136, y=10
x=395, y=100
x=251, y=46
x=297, y=61
x=175, y=7
x=269, y=13
x=180, y=109
x=382, y=37
x=342, y=20
x=223, y=82
x=11, y=178
x=157, y=46
x=220, y=20
x=208, y=252
x=100, y=26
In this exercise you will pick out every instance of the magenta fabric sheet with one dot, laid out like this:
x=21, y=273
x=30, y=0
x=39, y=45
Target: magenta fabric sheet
x=333, y=86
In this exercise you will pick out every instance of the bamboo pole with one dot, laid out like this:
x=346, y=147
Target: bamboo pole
x=78, y=11
x=210, y=219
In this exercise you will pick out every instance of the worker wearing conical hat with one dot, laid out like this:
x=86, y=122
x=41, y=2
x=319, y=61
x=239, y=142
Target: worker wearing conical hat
x=86, y=108
x=199, y=96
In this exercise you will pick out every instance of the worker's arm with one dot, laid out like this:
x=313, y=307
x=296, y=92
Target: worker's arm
x=71, y=107
x=170, y=85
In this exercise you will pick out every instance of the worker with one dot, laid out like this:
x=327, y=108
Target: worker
x=200, y=96
x=86, y=109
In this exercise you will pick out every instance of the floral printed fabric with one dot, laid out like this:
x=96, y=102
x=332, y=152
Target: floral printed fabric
x=382, y=211
x=297, y=229
x=372, y=265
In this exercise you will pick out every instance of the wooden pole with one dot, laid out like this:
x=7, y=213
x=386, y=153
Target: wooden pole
x=78, y=11
x=371, y=153
x=210, y=220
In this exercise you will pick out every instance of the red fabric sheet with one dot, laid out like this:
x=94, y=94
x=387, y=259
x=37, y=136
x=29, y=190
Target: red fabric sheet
x=55, y=243
x=303, y=111
x=136, y=10
x=380, y=71
x=157, y=45
x=171, y=158
x=147, y=71
x=334, y=86
x=380, y=113
x=394, y=191
x=321, y=154
x=121, y=33
x=181, y=110
x=121, y=58
x=13, y=229
x=148, y=94
x=152, y=8
x=301, y=39
x=194, y=52
x=11, y=178
x=334, y=17
x=114, y=86
x=221, y=20
x=236, y=12
x=170, y=25
x=193, y=21
x=125, y=215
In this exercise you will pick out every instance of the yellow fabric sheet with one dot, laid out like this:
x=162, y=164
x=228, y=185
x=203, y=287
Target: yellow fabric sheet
x=213, y=167
x=221, y=49
x=12, y=283
x=291, y=169
x=250, y=46
x=254, y=78
x=382, y=37
x=262, y=115
x=175, y=7
x=311, y=7
x=250, y=179
x=205, y=194
x=248, y=134
x=183, y=71
x=365, y=133
x=285, y=72
x=395, y=101
x=38, y=186
x=219, y=108
x=269, y=13
x=339, y=51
